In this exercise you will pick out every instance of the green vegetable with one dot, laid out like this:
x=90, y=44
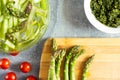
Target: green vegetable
x=107, y=11
x=0, y=8
x=3, y=29
x=53, y=69
x=43, y=4
x=15, y=21
x=11, y=22
x=22, y=22
x=10, y=44
x=52, y=72
x=58, y=63
x=72, y=63
x=87, y=64
x=24, y=5
x=67, y=61
x=54, y=45
x=14, y=11
x=29, y=31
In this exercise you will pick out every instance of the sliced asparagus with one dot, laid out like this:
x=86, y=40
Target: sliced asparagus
x=43, y=3
x=11, y=22
x=15, y=21
x=24, y=5
x=3, y=27
x=87, y=64
x=72, y=63
x=58, y=63
x=67, y=60
x=1, y=7
x=14, y=11
x=18, y=16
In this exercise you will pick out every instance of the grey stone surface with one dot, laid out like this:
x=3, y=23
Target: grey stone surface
x=67, y=20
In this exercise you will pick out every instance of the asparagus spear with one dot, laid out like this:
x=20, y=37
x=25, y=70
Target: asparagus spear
x=87, y=64
x=58, y=63
x=54, y=45
x=51, y=73
x=52, y=70
x=67, y=60
x=72, y=63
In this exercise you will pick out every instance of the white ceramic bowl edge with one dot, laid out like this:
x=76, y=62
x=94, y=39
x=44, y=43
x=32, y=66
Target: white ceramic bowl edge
x=95, y=22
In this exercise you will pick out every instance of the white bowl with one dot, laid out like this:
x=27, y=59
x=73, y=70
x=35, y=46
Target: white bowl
x=97, y=24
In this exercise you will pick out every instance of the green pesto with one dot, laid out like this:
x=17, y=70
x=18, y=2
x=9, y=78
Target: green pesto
x=106, y=11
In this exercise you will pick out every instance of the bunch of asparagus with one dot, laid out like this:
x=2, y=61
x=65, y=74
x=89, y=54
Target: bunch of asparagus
x=21, y=21
x=69, y=63
x=55, y=64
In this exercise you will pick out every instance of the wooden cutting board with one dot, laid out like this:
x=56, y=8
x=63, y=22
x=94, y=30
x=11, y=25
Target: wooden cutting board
x=106, y=64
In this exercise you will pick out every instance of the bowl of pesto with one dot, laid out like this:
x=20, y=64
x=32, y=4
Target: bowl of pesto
x=103, y=14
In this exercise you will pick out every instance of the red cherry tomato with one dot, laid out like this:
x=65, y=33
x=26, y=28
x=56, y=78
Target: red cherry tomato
x=10, y=76
x=4, y=63
x=25, y=67
x=14, y=53
x=31, y=77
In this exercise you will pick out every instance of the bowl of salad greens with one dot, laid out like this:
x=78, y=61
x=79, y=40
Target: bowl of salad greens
x=103, y=14
x=22, y=23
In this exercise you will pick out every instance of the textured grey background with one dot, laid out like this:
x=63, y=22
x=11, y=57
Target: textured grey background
x=67, y=20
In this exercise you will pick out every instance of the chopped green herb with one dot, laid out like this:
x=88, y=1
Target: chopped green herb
x=106, y=11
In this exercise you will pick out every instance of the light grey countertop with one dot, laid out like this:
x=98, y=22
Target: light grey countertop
x=67, y=20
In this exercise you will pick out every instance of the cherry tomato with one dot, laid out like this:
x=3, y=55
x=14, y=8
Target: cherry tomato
x=4, y=63
x=14, y=53
x=31, y=77
x=25, y=67
x=10, y=76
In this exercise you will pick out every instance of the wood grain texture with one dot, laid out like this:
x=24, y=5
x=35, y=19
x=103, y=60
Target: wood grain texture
x=106, y=64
